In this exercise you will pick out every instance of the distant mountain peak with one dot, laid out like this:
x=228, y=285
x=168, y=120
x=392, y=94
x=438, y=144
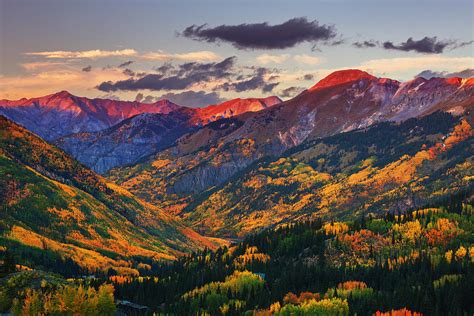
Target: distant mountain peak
x=341, y=77
x=64, y=93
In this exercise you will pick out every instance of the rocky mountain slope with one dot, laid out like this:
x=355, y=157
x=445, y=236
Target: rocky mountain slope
x=104, y=134
x=343, y=101
x=386, y=167
x=144, y=134
x=62, y=113
x=128, y=141
x=52, y=202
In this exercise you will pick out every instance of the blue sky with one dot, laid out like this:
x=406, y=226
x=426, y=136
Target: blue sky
x=135, y=30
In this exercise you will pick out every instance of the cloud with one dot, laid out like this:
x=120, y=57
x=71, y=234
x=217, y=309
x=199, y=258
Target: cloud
x=427, y=74
x=41, y=65
x=391, y=65
x=291, y=92
x=366, y=44
x=125, y=64
x=278, y=59
x=307, y=59
x=194, y=56
x=256, y=81
x=52, y=80
x=175, y=77
x=87, y=69
x=150, y=99
x=461, y=44
x=129, y=72
x=428, y=45
x=92, y=54
x=110, y=96
x=263, y=35
x=193, y=98
x=308, y=77
x=139, y=97
x=275, y=59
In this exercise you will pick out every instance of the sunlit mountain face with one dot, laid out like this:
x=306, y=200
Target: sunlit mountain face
x=304, y=158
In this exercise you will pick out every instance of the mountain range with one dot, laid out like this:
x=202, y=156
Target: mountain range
x=342, y=102
x=105, y=133
x=351, y=144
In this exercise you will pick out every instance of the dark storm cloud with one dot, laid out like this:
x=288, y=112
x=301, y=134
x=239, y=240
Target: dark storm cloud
x=87, y=69
x=365, y=44
x=193, y=98
x=263, y=35
x=428, y=74
x=125, y=64
x=176, y=77
x=427, y=45
x=290, y=92
x=253, y=82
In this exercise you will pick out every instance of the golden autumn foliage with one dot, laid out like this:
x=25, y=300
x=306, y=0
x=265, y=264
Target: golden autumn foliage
x=460, y=253
x=352, y=285
x=449, y=256
x=160, y=163
x=410, y=231
x=68, y=300
x=251, y=255
x=335, y=228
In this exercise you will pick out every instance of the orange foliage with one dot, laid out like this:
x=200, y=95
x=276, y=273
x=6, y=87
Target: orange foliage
x=363, y=241
x=442, y=233
x=398, y=312
x=160, y=163
x=291, y=298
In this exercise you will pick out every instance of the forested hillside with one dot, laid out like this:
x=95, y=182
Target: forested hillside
x=420, y=261
x=59, y=215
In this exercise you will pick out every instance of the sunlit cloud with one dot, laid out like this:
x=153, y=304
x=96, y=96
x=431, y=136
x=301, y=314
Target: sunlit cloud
x=307, y=59
x=413, y=65
x=191, y=56
x=275, y=59
x=53, y=80
x=96, y=53
x=41, y=65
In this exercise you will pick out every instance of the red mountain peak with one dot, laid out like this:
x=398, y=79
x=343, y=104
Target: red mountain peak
x=235, y=107
x=341, y=77
x=454, y=80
